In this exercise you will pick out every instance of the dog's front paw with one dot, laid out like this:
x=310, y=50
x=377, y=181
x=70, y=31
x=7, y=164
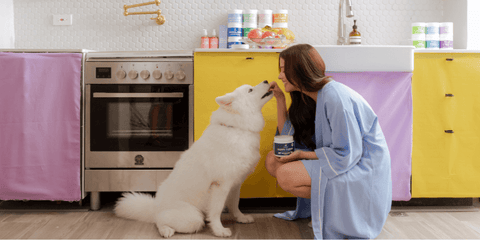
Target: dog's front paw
x=166, y=231
x=222, y=232
x=245, y=219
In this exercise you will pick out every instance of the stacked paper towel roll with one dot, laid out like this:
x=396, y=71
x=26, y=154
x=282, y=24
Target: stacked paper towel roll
x=418, y=34
x=446, y=35
x=432, y=35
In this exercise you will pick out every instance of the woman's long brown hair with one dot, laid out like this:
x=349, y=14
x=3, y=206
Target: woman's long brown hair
x=305, y=69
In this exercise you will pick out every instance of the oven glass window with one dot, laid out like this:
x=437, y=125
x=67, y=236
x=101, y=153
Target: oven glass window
x=139, y=118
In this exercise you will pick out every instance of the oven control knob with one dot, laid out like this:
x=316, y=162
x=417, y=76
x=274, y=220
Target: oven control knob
x=169, y=75
x=157, y=74
x=133, y=74
x=145, y=74
x=180, y=75
x=121, y=74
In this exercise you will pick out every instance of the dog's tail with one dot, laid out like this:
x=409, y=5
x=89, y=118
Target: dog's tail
x=137, y=206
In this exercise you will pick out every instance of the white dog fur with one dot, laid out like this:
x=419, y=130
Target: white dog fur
x=209, y=174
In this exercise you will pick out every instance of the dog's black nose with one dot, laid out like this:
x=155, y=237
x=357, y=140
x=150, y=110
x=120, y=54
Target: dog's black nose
x=265, y=81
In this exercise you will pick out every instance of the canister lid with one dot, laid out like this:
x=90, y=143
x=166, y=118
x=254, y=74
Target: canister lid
x=281, y=11
x=240, y=46
x=235, y=11
x=283, y=139
x=266, y=11
x=250, y=11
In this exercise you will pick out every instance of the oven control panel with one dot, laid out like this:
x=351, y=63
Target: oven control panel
x=180, y=72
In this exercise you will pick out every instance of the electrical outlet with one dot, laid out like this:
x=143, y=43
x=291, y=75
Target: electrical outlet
x=62, y=19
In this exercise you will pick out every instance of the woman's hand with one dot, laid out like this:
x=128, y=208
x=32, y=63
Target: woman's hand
x=298, y=155
x=277, y=92
x=294, y=156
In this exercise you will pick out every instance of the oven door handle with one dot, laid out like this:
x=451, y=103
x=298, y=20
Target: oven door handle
x=137, y=95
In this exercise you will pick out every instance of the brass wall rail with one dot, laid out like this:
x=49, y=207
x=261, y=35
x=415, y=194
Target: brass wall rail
x=160, y=19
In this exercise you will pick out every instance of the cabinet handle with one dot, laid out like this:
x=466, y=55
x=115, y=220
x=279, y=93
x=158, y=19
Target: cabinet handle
x=449, y=131
x=249, y=58
x=449, y=59
x=448, y=95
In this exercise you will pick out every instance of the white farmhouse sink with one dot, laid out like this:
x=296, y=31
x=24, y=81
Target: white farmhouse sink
x=367, y=58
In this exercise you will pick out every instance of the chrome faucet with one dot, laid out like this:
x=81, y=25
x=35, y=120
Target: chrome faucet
x=342, y=29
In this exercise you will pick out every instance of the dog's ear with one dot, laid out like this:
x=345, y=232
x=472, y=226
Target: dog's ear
x=224, y=100
x=225, y=103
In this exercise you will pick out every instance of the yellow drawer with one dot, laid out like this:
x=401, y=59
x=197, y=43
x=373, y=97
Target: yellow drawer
x=446, y=164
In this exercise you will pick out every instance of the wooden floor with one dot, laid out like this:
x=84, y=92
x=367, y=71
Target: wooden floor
x=105, y=225
x=83, y=224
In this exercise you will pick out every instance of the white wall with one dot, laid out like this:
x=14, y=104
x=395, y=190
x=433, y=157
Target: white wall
x=100, y=24
x=456, y=12
x=7, y=34
x=473, y=24
x=465, y=15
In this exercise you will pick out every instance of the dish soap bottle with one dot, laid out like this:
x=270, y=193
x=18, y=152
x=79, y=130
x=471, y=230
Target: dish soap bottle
x=213, y=40
x=355, y=37
x=205, y=40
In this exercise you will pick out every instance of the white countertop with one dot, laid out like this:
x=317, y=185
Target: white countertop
x=367, y=58
x=446, y=51
x=17, y=50
x=235, y=50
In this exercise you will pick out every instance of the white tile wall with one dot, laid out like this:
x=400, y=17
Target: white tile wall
x=100, y=24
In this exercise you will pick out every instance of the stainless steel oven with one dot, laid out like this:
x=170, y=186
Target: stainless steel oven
x=138, y=118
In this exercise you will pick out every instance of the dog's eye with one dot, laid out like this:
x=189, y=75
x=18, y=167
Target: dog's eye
x=250, y=90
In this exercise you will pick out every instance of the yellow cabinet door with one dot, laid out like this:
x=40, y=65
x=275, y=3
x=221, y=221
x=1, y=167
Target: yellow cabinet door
x=219, y=73
x=446, y=135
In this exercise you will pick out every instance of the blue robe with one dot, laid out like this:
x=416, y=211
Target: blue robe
x=351, y=191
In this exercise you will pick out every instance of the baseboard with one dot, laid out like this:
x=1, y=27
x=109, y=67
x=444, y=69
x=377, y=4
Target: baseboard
x=434, y=202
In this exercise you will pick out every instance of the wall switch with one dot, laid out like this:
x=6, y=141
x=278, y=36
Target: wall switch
x=62, y=19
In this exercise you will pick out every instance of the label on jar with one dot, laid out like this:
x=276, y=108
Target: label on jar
x=446, y=44
x=265, y=18
x=235, y=18
x=418, y=29
x=355, y=40
x=431, y=30
x=229, y=44
x=250, y=18
x=419, y=43
x=432, y=44
x=234, y=32
x=280, y=18
x=246, y=31
x=283, y=145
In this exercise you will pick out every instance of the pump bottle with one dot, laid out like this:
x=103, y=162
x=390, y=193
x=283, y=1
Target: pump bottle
x=205, y=42
x=213, y=40
x=355, y=36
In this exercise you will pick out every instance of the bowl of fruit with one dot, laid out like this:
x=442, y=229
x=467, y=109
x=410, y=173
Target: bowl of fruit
x=268, y=37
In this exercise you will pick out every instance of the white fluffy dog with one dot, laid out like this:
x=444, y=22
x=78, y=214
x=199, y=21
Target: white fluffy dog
x=208, y=176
